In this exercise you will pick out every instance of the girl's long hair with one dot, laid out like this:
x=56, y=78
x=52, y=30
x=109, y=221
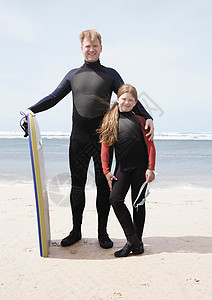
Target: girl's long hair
x=108, y=131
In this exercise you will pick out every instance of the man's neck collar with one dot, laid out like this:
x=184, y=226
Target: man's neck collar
x=92, y=63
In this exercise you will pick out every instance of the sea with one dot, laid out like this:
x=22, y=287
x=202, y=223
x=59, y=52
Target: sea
x=183, y=160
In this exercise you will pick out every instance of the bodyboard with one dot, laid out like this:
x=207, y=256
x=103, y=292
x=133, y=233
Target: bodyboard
x=39, y=178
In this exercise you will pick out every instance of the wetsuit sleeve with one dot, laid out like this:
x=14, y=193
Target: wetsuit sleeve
x=51, y=100
x=141, y=111
x=117, y=82
x=105, y=158
x=150, y=144
x=115, y=78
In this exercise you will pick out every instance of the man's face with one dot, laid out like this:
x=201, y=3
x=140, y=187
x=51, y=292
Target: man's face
x=91, y=50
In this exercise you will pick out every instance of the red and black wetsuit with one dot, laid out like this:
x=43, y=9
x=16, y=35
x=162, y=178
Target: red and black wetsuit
x=134, y=155
x=92, y=85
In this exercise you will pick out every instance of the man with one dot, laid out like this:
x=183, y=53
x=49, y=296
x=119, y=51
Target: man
x=92, y=85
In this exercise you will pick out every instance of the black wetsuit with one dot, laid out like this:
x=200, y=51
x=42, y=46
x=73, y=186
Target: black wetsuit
x=92, y=85
x=131, y=165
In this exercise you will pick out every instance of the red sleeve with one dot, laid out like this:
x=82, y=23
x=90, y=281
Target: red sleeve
x=150, y=144
x=105, y=158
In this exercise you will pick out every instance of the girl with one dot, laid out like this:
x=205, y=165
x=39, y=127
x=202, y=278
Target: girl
x=135, y=162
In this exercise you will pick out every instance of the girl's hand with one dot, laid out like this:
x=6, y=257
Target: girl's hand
x=150, y=175
x=109, y=176
x=149, y=124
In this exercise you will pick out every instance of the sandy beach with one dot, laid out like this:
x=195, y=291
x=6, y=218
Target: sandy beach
x=176, y=263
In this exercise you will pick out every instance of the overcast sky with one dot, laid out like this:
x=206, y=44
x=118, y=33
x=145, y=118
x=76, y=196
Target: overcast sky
x=163, y=48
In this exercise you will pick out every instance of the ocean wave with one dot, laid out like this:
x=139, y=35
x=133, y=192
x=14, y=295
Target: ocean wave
x=55, y=135
x=184, y=155
x=183, y=136
x=45, y=135
x=11, y=135
x=158, y=135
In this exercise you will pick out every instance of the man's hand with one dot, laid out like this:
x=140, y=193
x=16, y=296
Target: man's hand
x=149, y=124
x=24, y=122
x=29, y=112
x=109, y=176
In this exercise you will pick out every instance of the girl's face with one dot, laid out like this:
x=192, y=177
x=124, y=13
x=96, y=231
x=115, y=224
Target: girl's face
x=126, y=102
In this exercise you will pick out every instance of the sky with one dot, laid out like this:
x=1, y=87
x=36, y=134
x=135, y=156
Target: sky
x=163, y=48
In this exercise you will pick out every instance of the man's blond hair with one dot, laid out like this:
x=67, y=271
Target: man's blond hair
x=91, y=35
